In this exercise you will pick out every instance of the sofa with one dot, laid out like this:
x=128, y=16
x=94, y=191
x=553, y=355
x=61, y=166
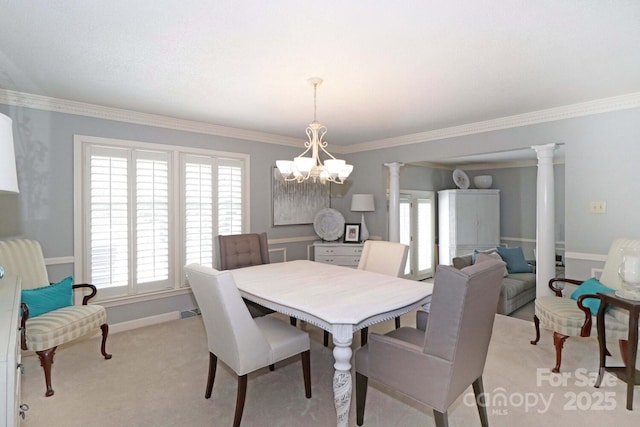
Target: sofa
x=518, y=289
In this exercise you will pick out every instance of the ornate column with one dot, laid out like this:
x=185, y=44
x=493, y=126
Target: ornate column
x=394, y=200
x=545, y=231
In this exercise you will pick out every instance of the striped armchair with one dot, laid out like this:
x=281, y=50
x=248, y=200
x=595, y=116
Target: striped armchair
x=570, y=318
x=44, y=333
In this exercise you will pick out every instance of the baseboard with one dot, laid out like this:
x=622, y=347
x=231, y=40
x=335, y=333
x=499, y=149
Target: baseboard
x=145, y=321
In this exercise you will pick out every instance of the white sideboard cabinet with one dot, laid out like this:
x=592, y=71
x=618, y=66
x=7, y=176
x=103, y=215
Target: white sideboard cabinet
x=468, y=220
x=336, y=253
x=10, y=356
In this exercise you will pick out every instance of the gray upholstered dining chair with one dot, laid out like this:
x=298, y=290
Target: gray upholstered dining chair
x=436, y=362
x=380, y=256
x=245, y=250
x=243, y=343
x=50, y=318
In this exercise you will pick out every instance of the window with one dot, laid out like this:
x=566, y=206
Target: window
x=146, y=210
x=417, y=229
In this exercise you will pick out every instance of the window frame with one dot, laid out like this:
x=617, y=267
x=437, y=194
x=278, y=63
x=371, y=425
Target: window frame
x=176, y=207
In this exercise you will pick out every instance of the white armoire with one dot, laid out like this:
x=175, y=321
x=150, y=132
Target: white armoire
x=467, y=220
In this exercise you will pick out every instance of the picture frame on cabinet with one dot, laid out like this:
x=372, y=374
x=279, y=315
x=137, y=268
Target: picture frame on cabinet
x=352, y=233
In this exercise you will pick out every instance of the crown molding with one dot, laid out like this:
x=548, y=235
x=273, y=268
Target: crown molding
x=46, y=103
x=604, y=105
x=22, y=99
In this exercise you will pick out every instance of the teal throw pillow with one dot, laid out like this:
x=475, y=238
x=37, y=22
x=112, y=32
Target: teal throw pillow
x=48, y=298
x=590, y=286
x=514, y=257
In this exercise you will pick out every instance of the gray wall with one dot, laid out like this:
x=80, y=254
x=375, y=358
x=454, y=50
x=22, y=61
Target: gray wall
x=602, y=152
x=601, y=157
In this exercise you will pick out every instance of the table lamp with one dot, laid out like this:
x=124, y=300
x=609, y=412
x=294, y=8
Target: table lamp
x=363, y=203
x=8, y=176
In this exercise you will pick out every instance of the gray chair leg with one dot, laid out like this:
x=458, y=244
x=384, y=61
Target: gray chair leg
x=442, y=420
x=361, y=397
x=481, y=401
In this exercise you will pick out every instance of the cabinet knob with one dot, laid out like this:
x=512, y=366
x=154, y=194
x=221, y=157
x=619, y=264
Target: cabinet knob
x=23, y=409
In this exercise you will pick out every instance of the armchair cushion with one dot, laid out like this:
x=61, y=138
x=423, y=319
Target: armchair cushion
x=514, y=257
x=591, y=286
x=48, y=298
x=63, y=325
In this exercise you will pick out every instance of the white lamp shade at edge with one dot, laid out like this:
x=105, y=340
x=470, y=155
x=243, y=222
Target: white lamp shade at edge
x=362, y=203
x=8, y=175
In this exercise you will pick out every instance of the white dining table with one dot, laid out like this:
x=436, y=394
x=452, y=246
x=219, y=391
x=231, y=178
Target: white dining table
x=337, y=299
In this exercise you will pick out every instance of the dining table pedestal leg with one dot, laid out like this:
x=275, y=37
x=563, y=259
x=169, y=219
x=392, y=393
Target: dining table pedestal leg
x=342, y=381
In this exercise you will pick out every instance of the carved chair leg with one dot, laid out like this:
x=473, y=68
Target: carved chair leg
x=364, y=335
x=481, y=401
x=624, y=351
x=306, y=372
x=558, y=342
x=103, y=347
x=536, y=323
x=361, y=397
x=242, y=394
x=442, y=420
x=213, y=363
x=325, y=339
x=398, y=322
x=46, y=360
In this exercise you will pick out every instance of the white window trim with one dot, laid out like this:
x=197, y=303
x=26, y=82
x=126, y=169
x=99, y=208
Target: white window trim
x=79, y=144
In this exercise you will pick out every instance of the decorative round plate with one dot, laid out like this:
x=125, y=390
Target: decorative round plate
x=329, y=224
x=461, y=179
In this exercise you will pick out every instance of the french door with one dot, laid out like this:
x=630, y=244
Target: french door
x=417, y=229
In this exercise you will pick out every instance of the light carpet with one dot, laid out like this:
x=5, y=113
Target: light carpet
x=157, y=377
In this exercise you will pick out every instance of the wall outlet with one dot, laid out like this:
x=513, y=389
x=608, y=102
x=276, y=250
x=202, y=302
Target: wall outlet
x=598, y=207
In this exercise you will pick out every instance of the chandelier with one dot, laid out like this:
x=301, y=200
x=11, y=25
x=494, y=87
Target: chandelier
x=304, y=167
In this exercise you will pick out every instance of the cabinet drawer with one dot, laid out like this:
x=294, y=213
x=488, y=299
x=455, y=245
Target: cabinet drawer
x=347, y=261
x=338, y=250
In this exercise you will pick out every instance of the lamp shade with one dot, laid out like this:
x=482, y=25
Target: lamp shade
x=8, y=176
x=362, y=203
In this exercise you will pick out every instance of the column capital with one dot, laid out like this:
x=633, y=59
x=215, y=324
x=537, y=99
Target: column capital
x=544, y=151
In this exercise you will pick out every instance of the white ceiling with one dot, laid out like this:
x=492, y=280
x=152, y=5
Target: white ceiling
x=389, y=68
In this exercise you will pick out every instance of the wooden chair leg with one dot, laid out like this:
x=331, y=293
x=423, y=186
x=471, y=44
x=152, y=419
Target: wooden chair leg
x=213, y=363
x=361, y=397
x=624, y=351
x=103, y=347
x=293, y=321
x=558, y=342
x=325, y=339
x=46, y=360
x=242, y=394
x=397, y=322
x=536, y=323
x=481, y=401
x=364, y=336
x=442, y=420
x=306, y=372
x=272, y=367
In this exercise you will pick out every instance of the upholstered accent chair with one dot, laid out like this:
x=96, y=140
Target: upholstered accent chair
x=436, y=362
x=243, y=343
x=45, y=332
x=567, y=317
x=380, y=256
